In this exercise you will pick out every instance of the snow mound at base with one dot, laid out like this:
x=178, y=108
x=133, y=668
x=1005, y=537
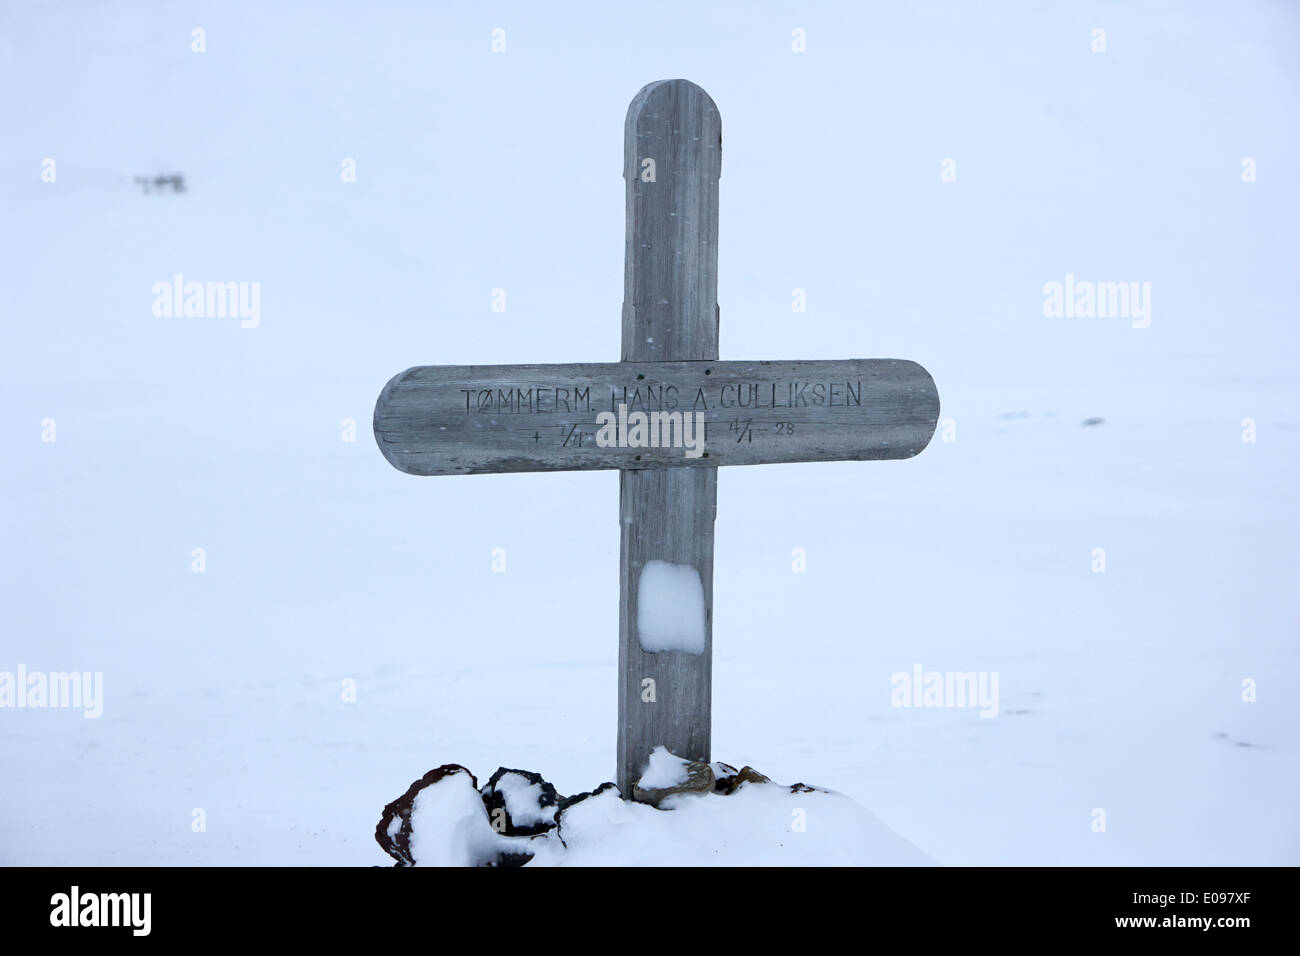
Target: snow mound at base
x=758, y=825
x=444, y=819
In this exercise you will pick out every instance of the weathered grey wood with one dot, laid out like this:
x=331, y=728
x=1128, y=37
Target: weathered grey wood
x=450, y=420
x=473, y=419
x=670, y=313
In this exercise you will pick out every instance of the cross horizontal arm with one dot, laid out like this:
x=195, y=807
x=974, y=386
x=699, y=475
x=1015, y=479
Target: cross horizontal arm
x=475, y=419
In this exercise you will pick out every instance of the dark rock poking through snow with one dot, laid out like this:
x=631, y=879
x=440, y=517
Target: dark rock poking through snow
x=685, y=811
x=722, y=775
x=566, y=802
x=744, y=775
x=393, y=831
x=519, y=803
x=442, y=819
x=668, y=775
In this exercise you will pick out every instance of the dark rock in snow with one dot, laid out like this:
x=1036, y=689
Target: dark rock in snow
x=1093, y=421
x=519, y=802
x=804, y=788
x=159, y=183
x=393, y=832
x=746, y=775
x=698, y=778
x=566, y=802
x=454, y=828
x=506, y=859
x=723, y=774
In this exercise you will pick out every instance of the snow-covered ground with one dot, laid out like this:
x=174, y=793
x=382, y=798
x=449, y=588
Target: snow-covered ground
x=226, y=691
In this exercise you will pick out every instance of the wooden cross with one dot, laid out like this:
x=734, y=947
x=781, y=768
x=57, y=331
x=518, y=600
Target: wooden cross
x=666, y=417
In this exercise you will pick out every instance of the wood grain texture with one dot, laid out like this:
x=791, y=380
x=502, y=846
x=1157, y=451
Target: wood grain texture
x=446, y=420
x=670, y=313
x=449, y=420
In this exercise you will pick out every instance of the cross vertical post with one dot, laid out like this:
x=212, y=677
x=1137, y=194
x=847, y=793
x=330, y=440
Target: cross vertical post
x=672, y=162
